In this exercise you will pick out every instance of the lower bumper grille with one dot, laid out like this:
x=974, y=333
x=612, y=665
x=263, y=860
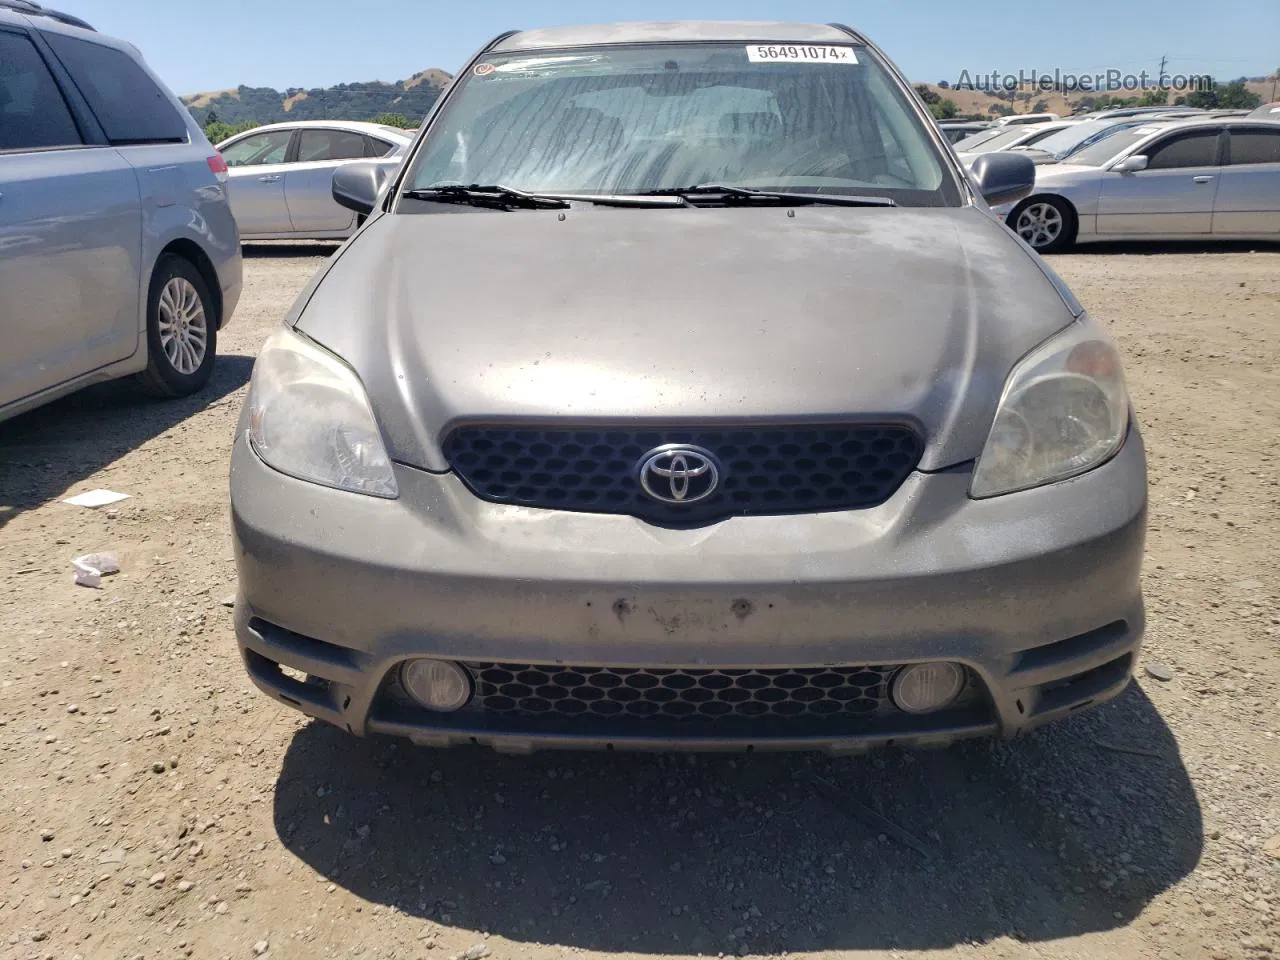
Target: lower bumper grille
x=505, y=689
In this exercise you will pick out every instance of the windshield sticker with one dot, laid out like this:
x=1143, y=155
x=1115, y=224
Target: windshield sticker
x=774, y=53
x=483, y=69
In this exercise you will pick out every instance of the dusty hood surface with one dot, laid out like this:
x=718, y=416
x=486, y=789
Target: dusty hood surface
x=661, y=315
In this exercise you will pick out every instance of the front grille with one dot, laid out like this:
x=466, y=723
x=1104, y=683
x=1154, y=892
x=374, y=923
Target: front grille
x=505, y=689
x=763, y=470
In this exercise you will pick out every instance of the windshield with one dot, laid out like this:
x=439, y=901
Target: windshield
x=636, y=119
x=1061, y=143
x=979, y=138
x=1101, y=152
x=1002, y=139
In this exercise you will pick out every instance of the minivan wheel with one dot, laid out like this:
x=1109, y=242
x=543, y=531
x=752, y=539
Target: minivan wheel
x=182, y=330
x=1047, y=224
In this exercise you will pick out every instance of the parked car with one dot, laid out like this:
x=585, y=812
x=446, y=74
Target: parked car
x=681, y=390
x=1006, y=138
x=118, y=251
x=1190, y=179
x=282, y=175
x=958, y=130
x=1268, y=111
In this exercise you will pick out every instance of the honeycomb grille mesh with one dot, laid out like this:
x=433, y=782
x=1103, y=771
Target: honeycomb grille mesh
x=764, y=470
x=505, y=689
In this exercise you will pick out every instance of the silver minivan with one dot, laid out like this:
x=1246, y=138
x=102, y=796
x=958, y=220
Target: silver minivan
x=118, y=251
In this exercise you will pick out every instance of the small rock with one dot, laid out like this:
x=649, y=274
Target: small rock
x=114, y=855
x=221, y=908
x=173, y=763
x=260, y=948
x=66, y=852
x=475, y=952
x=46, y=835
x=73, y=708
x=229, y=600
x=1272, y=847
x=156, y=879
x=158, y=766
x=185, y=886
x=38, y=936
x=1160, y=671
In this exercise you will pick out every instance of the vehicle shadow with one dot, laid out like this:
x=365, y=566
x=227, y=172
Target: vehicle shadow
x=46, y=451
x=1069, y=830
x=1113, y=247
x=269, y=250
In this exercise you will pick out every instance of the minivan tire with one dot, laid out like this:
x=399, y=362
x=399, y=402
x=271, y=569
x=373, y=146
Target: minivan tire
x=182, y=330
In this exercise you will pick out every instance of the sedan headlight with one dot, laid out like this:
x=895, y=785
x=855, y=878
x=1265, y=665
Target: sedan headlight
x=1064, y=410
x=309, y=417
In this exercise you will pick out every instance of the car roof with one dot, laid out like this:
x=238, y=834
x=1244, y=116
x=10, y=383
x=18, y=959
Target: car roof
x=29, y=8
x=674, y=31
x=1192, y=122
x=354, y=126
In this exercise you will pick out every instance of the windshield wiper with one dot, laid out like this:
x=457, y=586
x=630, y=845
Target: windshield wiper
x=494, y=196
x=727, y=193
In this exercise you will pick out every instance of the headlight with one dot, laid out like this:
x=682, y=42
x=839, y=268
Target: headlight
x=309, y=417
x=1064, y=410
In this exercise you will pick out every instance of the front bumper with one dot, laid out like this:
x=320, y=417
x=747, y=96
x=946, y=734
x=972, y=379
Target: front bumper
x=1036, y=593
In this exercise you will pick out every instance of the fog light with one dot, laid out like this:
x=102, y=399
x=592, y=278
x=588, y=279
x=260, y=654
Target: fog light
x=927, y=687
x=437, y=685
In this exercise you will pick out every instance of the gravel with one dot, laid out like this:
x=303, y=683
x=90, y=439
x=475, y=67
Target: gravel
x=1147, y=828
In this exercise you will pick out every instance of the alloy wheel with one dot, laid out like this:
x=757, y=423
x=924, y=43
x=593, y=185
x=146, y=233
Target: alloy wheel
x=184, y=330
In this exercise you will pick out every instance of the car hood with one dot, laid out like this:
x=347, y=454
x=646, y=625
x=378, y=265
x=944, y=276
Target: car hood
x=723, y=315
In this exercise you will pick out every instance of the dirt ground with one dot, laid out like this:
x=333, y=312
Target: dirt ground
x=152, y=804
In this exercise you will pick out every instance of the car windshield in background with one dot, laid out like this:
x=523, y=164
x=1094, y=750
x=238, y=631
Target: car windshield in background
x=999, y=141
x=1062, y=143
x=635, y=120
x=1102, y=151
x=978, y=139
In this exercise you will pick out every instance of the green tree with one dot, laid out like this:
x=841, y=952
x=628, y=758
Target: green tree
x=944, y=109
x=1205, y=96
x=395, y=120
x=930, y=97
x=217, y=131
x=1236, y=96
x=1154, y=98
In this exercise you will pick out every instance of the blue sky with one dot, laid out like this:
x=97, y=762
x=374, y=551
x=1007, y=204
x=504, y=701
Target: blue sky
x=308, y=43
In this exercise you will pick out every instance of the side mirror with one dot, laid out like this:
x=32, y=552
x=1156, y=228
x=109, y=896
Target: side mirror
x=1131, y=164
x=356, y=185
x=1003, y=177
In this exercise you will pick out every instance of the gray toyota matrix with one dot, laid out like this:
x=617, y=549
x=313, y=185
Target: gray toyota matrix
x=681, y=391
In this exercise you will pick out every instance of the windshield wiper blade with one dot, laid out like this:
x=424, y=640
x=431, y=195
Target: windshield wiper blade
x=494, y=196
x=730, y=193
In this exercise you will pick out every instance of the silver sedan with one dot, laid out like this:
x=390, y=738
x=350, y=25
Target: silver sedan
x=281, y=175
x=1185, y=180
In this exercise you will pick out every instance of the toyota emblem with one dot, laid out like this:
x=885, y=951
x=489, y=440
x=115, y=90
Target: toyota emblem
x=678, y=474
